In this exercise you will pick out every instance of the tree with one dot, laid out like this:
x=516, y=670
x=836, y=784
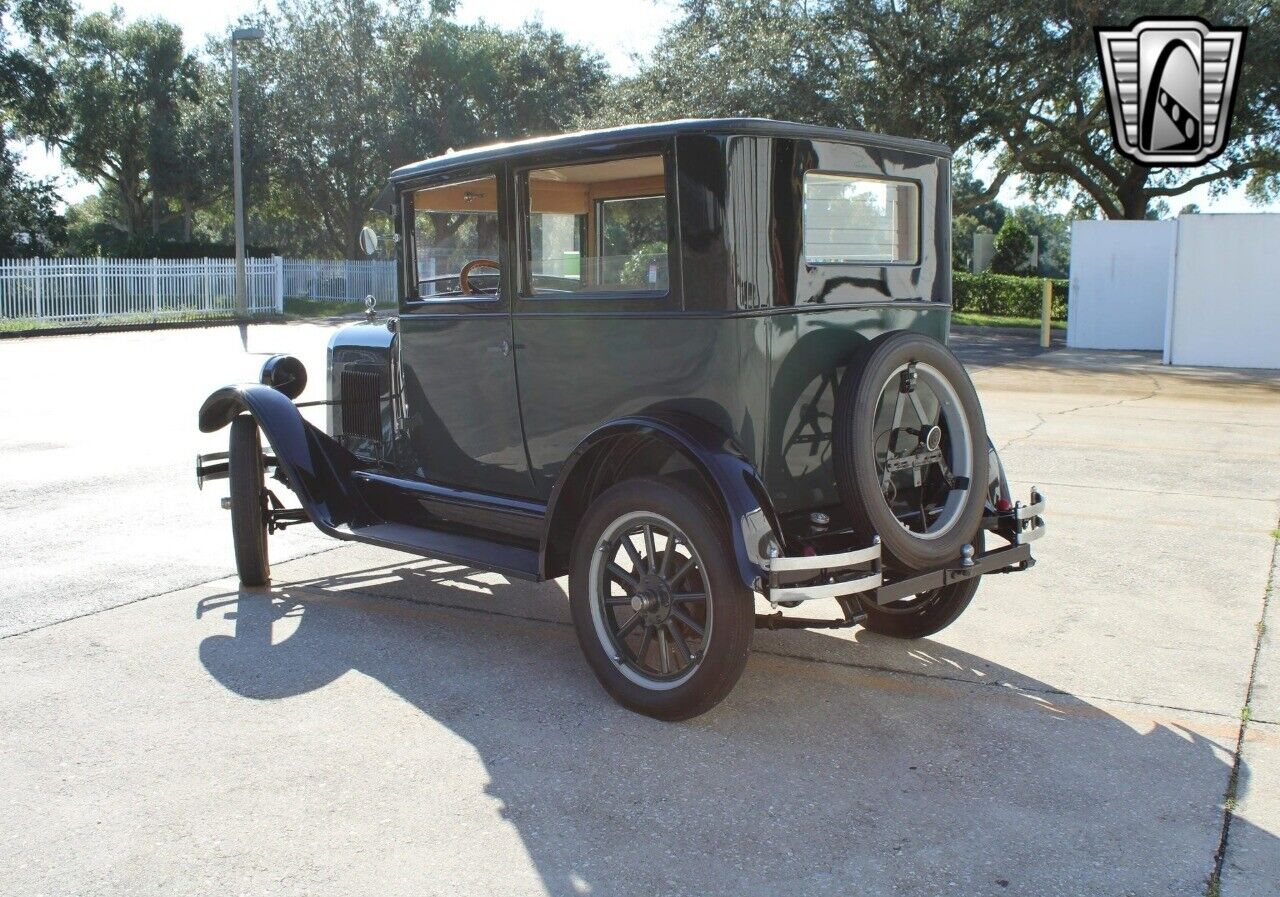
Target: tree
x=26, y=84
x=114, y=114
x=1061, y=142
x=1053, y=230
x=727, y=58
x=29, y=220
x=1010, y=79
x=352, y=90
x=900, y=68
x=1012, y=247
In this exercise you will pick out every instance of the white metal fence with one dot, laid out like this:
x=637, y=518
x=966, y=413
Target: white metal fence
x=319, y=279
x=84, y=290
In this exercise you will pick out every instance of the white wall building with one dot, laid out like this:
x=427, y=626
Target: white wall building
x=1202, y=288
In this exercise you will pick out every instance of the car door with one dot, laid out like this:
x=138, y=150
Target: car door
x=598, y=322
x=457, y=361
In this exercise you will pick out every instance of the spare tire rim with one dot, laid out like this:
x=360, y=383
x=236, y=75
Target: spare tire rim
x=650, y=600
x=923, y=448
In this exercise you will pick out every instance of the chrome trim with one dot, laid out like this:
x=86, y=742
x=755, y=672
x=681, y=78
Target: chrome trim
x=1028, y=512
x=213, y=466
x=1031, y=534
x=864, y=581
x=823, y=561
x=826, y=590
x=1032, y=513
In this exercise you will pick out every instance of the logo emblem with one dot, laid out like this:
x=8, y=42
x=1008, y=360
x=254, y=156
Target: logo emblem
x=1170, y=83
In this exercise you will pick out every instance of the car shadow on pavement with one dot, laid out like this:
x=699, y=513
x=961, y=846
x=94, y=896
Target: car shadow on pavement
x=812, y=778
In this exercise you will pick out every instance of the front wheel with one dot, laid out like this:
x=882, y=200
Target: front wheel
x=248, y=502
x=663, y=619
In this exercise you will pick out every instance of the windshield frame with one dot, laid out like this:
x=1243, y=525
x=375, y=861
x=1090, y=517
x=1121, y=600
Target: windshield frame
x=407, y=255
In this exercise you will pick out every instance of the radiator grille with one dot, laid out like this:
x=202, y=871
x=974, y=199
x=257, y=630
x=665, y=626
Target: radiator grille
x=361, y=404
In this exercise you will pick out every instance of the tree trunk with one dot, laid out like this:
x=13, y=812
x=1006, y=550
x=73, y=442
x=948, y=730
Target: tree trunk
x=1134, y=204
x=1132, y=195
x=133, y=208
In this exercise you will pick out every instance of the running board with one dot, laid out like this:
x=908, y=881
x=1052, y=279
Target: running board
x=483, y=554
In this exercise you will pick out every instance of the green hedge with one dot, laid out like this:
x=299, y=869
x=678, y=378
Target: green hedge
x=1005, y=294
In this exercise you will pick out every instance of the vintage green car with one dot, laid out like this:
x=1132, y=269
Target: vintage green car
x=686, y=364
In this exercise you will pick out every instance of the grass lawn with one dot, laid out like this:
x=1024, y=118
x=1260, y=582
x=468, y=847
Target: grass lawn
x=294, y=310
x=320, y=308
x=35, y=325
x=980, y=320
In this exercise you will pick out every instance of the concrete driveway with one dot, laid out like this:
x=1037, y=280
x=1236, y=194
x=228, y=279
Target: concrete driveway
x=377, y=723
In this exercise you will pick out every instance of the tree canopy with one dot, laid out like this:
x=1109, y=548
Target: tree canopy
x=339, y=93
x=30, y=223
x=1007, y=80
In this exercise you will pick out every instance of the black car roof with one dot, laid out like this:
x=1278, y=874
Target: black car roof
x=761, y=127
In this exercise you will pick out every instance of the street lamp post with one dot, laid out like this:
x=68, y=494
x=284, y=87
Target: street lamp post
x=237, y=186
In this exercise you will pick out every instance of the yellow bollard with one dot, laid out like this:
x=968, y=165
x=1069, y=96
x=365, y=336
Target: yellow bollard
x=1046, y=309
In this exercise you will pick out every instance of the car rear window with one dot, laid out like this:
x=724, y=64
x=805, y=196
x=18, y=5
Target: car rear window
x=851, y=219
x=598, y=227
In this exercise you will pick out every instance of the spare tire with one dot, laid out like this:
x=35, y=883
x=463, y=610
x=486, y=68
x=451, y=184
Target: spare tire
x=910, y=449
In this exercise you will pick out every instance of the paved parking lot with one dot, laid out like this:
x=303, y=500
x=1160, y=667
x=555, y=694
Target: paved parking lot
x=382, y=724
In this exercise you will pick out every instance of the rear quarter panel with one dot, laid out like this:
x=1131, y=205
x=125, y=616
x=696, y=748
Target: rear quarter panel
x=810, y=351
x=579, y=370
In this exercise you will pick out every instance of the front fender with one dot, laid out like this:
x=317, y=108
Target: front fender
x=734, y=481
x=315, y=466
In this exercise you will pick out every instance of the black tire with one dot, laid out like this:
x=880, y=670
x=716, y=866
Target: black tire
x=727, y=617
x=248, y=502
x=922, y=615
x=855, y=434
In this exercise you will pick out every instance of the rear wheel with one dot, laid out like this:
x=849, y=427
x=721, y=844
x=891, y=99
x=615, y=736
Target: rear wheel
x=910, y=449
x=248, y=502
x=659, y=609
x=922, y=615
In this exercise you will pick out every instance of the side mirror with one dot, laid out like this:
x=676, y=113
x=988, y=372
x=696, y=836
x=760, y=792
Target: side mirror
x=368, y=241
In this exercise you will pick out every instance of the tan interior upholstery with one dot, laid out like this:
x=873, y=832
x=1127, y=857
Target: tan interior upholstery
x=480, y=195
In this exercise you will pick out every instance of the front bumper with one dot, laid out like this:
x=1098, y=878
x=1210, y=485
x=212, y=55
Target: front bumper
x=216, y=466
x=794, y=579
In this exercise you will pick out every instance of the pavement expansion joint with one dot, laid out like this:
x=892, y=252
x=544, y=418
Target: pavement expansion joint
x=1233, y=783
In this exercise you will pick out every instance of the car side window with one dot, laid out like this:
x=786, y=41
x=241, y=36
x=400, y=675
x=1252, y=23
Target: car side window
x=849, y=219
x=598, y=227
x=455, y=228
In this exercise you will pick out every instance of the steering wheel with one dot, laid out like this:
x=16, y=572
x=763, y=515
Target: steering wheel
x=464, y=275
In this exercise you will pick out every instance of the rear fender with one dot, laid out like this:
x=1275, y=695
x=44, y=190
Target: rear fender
x=315, y=466
x=724, y=470
x=997, y=483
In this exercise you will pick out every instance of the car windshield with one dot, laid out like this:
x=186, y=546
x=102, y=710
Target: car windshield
x=453, y=225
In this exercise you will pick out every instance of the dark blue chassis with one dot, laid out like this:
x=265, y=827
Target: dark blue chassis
x=344, y=498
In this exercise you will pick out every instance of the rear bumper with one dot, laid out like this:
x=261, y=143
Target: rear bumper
x=859, y=572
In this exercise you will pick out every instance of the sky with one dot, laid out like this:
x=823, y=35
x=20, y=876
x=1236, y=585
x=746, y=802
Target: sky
x=618, y=32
